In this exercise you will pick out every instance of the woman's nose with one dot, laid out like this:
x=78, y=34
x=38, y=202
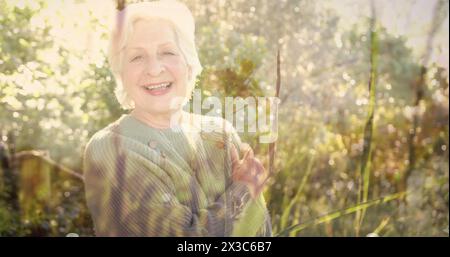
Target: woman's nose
x=154, y=67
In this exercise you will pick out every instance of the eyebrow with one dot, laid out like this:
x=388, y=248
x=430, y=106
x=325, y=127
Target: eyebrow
x=141, y=47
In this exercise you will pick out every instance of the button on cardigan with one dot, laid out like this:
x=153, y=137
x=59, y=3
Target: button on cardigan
x=143, y=181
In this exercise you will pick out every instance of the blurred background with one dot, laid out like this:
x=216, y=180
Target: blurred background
x=362, y=145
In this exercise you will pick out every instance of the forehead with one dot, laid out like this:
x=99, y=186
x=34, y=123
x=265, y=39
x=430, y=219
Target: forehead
x=151, y=32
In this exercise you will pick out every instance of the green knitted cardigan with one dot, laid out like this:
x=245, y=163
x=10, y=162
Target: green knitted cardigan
x=143, y=181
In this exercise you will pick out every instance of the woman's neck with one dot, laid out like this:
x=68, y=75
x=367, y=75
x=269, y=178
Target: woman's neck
x=159, y=121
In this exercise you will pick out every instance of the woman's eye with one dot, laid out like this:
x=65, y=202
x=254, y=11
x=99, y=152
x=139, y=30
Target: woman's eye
x=168, y=53
x=136, y=58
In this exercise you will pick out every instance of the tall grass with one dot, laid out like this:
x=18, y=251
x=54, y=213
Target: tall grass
x=340, y=213
x=287, y=211
x=366, y=162
x=419, y=87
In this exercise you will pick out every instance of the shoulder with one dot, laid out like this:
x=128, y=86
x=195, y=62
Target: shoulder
x=99, y=145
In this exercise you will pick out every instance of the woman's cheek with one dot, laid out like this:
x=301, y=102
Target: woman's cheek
x=177, y=66
x=132, y=75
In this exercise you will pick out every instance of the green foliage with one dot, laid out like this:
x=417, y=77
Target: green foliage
x=18, y=41
x=56, y=104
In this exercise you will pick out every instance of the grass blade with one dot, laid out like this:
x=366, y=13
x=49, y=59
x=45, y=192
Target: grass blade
x=340, y=213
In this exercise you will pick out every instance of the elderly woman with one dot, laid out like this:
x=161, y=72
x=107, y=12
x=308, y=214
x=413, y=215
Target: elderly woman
x=156, y=171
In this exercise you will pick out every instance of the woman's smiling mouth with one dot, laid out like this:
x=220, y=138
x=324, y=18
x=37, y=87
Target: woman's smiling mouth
x=158, y=89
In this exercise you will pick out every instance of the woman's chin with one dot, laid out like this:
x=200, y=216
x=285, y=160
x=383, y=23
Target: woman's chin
x=157, y=108
x=160, y=106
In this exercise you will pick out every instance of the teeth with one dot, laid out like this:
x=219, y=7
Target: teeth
x=164, y=85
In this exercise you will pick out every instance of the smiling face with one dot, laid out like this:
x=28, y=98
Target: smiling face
x=154, y=71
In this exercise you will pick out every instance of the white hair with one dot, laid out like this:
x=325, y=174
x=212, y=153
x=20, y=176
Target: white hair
x=184, y=36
